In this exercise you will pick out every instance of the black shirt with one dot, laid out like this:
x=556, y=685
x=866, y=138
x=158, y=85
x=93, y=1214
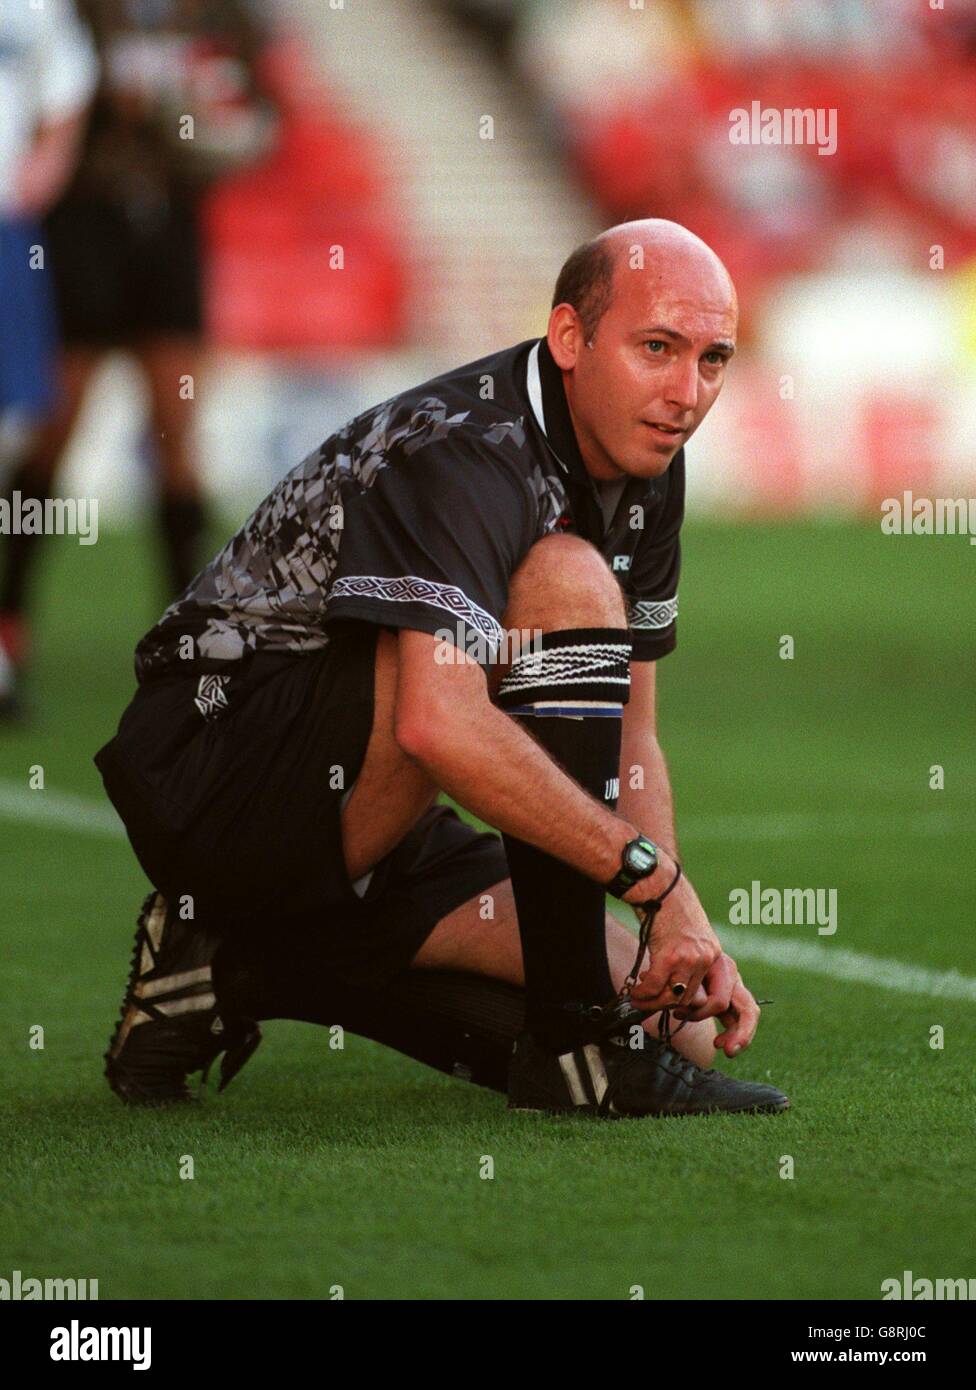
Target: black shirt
x=416, y=514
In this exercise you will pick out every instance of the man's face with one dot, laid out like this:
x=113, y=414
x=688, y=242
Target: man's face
x=655, y=365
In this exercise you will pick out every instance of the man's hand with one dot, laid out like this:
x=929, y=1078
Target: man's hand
x=683, y=947
x=725, y=997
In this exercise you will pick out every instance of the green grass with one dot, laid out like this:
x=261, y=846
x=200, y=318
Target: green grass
x=360, y=1168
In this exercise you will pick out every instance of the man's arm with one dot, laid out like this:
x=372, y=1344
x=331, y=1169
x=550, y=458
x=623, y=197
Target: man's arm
x=645, y=787
x=446, y=723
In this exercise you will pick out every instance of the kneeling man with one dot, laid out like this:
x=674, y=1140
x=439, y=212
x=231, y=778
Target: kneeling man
x=466, y=591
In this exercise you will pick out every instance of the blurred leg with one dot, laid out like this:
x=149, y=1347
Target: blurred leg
x=36, y=474
x=172, y=365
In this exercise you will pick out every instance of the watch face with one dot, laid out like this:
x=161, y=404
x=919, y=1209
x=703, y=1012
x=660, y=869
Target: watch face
x=640, y=860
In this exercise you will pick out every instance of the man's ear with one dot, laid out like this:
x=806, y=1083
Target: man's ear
x=565, y=336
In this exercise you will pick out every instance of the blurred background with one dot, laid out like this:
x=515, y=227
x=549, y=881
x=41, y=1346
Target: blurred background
x=225, y=227
x=456, y=151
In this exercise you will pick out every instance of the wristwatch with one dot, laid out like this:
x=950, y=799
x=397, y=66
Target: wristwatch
x=638, y=860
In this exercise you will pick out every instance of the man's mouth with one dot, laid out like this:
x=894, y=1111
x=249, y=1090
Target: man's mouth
x=660, y=427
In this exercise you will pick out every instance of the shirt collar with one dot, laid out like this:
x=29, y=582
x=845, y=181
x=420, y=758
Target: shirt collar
x=547, y=396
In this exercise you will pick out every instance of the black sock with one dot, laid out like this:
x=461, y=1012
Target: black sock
x=458, y=1023
x=570, y=697
x=182, y=525
x=20, y=551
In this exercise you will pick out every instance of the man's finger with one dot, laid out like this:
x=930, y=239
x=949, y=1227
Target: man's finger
x=688, y=1004
x=682, y=972
x=740, y=1023
x=656, y=979
x=691, y=980
x=651, y=1003
x=719, y=983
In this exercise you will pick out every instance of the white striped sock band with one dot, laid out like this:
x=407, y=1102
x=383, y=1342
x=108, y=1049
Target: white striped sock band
x=577, y=673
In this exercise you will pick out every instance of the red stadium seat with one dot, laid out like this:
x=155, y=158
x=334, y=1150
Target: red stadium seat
x=280, y=292
x=270, y=232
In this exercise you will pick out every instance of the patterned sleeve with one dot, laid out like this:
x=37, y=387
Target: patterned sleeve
x=652, y=584
x=432, y=543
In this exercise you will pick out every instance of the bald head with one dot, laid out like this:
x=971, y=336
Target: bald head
x=643, y=324
x=589, y=276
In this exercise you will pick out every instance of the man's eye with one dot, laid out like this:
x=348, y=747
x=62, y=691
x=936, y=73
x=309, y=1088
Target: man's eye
x=653, y=343
x=714, y=359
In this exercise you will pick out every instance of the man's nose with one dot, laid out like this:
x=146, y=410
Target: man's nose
x=681, y=388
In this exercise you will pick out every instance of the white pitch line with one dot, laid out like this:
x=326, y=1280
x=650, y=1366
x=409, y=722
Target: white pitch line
x=63, y=809
x=18, y=802
x=70, y=812
x=839, y=963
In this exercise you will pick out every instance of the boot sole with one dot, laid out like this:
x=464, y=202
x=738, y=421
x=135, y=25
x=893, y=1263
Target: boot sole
x=591, y=1110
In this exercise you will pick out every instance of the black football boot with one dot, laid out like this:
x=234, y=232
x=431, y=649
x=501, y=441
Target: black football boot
x=171, y=1025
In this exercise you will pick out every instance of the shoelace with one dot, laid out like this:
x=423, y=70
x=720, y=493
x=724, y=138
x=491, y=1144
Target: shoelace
x=664, y=1030
x=646, y=913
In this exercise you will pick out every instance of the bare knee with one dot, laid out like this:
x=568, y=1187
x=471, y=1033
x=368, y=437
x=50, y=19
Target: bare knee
x=564, y=581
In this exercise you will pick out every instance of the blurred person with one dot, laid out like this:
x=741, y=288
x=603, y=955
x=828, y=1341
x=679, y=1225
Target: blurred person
x=48, y=72
x=348, y=656
x=179, y=104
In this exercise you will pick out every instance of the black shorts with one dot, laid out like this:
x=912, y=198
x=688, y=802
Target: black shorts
x=230, y=789
x=119, y=281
